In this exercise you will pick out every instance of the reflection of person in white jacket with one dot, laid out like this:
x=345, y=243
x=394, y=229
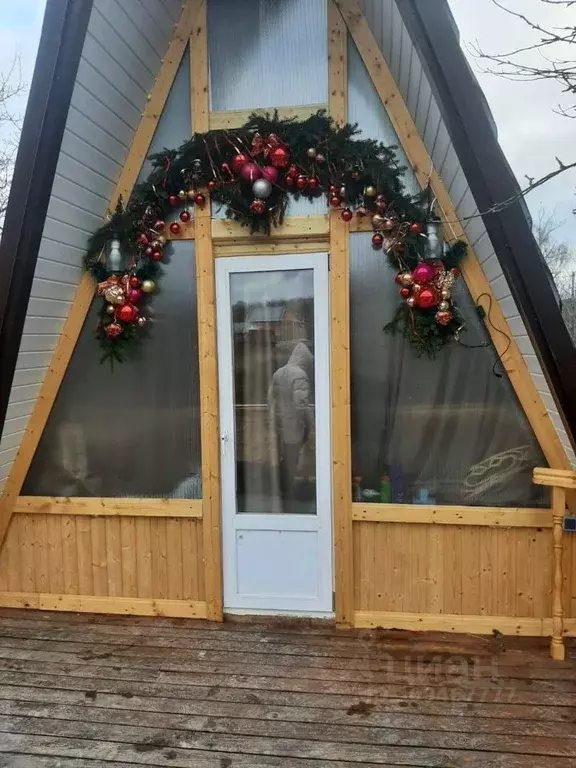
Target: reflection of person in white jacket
x=289, y=399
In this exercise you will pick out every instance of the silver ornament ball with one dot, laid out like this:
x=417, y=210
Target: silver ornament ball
x=262, y=189
x=141, y=321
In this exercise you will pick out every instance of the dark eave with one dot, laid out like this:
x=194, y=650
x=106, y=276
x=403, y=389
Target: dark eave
x=61, y=42
x=469, y=123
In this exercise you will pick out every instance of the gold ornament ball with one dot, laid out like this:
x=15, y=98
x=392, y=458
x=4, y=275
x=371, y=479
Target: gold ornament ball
x=444, y=305
x=141, y=321
x=388, y=224
x=370, y=191
x=148, y=286
x=411, y=301
x=446, y=293
x=182, y=194
x=378, y=221
x=192, y=194
x=406, y=279
x=342, y=191
x=162, y=240
x=110, y=309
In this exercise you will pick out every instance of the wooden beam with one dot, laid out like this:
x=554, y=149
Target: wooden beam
x=266, y=248
x=108, y=507
x=224, y=230
x=236, y=118
x=559, y=478
x=478, y=285
x=85, y=293
x=501, y=517
x=209, y=418
x=526, y=626
x=128, y=606
x=340, y=346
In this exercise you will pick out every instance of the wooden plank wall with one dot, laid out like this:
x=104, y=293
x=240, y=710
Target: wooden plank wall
x=474, y=571
x=150, y=558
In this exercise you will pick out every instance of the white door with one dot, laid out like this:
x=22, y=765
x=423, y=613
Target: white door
x=274, y=382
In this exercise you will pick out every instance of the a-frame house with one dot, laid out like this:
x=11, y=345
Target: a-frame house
x=156, y=488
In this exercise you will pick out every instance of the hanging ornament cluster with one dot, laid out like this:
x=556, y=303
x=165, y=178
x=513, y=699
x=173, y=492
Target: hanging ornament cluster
x=252, y=172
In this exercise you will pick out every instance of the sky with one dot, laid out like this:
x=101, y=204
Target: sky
x=530, y=132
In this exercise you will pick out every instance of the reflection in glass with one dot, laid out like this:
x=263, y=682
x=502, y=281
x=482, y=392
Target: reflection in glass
x=444, y=431
x=273, y=332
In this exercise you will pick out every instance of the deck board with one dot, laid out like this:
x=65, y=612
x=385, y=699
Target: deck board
x=82, y=691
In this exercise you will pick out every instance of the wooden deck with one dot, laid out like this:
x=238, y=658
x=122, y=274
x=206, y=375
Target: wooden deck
x=80, y=691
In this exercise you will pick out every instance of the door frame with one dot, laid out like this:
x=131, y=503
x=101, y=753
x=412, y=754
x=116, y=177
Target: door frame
x=322, y=520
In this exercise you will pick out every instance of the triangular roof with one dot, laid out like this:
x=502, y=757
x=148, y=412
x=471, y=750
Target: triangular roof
x=83, y=141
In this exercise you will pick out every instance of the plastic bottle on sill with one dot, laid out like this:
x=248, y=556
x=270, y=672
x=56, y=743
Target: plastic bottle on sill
x=385, y=489
x=357, y=489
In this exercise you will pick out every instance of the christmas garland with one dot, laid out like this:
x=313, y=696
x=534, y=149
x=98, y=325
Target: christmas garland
x=253, y=171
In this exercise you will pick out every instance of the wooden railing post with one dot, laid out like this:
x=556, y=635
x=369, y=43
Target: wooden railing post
x=557, y=649
x=560, y=480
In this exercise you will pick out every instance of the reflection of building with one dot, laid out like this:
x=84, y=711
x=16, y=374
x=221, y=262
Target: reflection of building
x=284, y=320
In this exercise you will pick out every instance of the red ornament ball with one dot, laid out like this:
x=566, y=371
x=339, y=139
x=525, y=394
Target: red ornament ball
x=313, y=182
x=293, y=171
x=212, y=185
x=377, y=240
x=427, y=298
x=404, y=292
x=332, y=189
x=185, y=216
x=346, y=214
x=134, y=295
x=270, y=174
x=159, y=225
x=443, y=317
x=238, y=162
x=456, y=272
x=289, y=181
x=135, y=282
x=174, y=227
x=250, y=172
x=112, y=330
x=156, y=256
x=335, y=201
x=279, y=157
x=200, y=200
x=142, y=239
x=301, y=182
x=149, y=251
x=174, y=200
x=415, y=228
x=258, y=207
x=127, y=313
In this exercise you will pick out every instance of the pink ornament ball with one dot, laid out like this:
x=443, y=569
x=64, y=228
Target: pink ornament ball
x=250, y=172
x=270, y=174
x=423, y=273
x=134, y=295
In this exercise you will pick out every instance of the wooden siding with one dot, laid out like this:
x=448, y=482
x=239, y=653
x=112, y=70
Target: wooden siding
x=113, y=556
x=459, y=570
x=389, y=30
x=120, y=61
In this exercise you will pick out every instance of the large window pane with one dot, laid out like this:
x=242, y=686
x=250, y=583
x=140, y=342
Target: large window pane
x=133, y=431
x=445, y=431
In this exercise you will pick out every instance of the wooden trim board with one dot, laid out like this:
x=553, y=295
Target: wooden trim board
x=85, y=293
x=109, y=507
x=340, y=345
x=128, y=606
x=525, y=626
x=419, y=159
x=236, y=118
x=501, y=517
x=209, y=412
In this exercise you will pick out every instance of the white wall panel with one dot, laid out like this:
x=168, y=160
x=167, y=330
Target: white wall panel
x=120, y=61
